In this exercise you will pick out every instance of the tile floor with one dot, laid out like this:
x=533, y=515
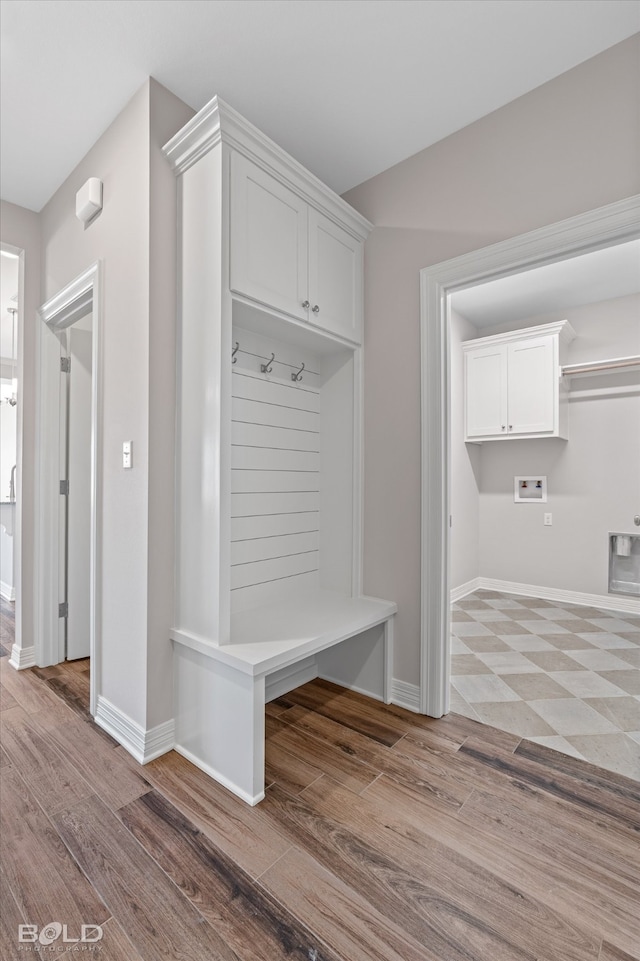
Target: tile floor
x=563, y=675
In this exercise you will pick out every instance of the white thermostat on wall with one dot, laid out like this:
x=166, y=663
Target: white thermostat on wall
x=89, y=200
x=530, y=490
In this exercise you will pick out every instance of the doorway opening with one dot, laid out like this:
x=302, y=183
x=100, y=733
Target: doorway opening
x=541, y=646
x=68, y=490
x=11, y=417
x=604, y=227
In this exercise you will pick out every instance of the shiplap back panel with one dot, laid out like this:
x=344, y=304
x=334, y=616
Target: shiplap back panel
x=275, y=473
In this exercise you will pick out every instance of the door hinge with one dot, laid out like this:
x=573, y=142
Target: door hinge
x=65, y=365
x=64, y=487
x=63, y=609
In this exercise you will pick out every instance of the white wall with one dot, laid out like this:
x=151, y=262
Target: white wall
x=465, y=467
x=135, y=237
x=567, y=147
x=167, y=115
x=8, y=451
x=7, y=577
x=593, y=479
x=8, y=448
x=119, y=236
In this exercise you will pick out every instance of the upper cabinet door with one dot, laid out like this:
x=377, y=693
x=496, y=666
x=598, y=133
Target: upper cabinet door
x=269, y=229
x=486, y=391
x=532, y=391
x=335, y=278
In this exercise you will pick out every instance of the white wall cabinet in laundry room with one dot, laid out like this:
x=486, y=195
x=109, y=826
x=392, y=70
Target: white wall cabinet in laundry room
x=288, y=255
x=513, y=384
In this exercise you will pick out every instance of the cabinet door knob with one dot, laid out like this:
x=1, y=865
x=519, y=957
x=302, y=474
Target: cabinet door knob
x=315, y=309
x=502, y=428
x=510, y=426
x=306, y=304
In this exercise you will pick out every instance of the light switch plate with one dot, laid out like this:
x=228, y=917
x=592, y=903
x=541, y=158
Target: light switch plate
x=127, y=454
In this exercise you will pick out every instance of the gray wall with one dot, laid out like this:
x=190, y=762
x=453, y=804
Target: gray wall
x=167, y=115
x=593, y=479
x=135, y=237
x=567, y=147
x=21, y=228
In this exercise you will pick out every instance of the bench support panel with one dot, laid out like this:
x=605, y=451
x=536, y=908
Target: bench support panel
x=360, y=664
x=220, y=722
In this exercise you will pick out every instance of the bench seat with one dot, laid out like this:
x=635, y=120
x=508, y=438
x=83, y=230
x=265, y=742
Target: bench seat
x=221, y=690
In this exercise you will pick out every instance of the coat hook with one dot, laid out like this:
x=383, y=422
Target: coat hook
x=268, y=367
x=234, y=352
x=298, y=375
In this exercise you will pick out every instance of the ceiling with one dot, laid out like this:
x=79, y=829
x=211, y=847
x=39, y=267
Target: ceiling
x=588, y=279
x=349, y=87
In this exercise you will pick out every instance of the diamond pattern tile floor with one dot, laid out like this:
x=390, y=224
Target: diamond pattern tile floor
x=563, y=675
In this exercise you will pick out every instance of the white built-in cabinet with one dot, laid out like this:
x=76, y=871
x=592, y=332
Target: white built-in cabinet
x=513, y=384
x=268, y=447
x=288, y=255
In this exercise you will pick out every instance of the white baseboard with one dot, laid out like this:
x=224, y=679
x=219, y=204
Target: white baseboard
x=609, y=602
x=220, y=778
x=144, y=745
x=7, y=592
x=457, y=593
x=357, y=689
x=405, y=695
x=22, y=657
x=159, y=740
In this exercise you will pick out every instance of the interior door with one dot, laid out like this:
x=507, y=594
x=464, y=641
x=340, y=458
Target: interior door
x=79, y=496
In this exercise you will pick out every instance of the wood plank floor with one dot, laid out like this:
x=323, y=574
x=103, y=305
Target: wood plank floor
x=384, y=836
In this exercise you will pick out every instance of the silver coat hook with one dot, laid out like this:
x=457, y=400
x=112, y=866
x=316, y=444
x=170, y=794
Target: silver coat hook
x=298, y=375
x=268, y=367
x=234, y=352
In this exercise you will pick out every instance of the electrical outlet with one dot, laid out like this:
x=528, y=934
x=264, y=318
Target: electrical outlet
x=548, y=520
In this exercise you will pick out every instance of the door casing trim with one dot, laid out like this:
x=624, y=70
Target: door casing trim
x=66, y=307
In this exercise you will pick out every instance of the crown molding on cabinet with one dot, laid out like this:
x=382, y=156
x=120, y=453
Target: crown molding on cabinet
x=218, y=122
x=561, y=327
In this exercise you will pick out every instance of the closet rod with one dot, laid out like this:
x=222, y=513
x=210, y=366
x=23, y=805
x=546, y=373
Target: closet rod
x=618, y=364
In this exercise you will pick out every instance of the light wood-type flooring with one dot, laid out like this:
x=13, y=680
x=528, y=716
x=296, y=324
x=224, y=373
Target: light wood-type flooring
x=384, y=836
